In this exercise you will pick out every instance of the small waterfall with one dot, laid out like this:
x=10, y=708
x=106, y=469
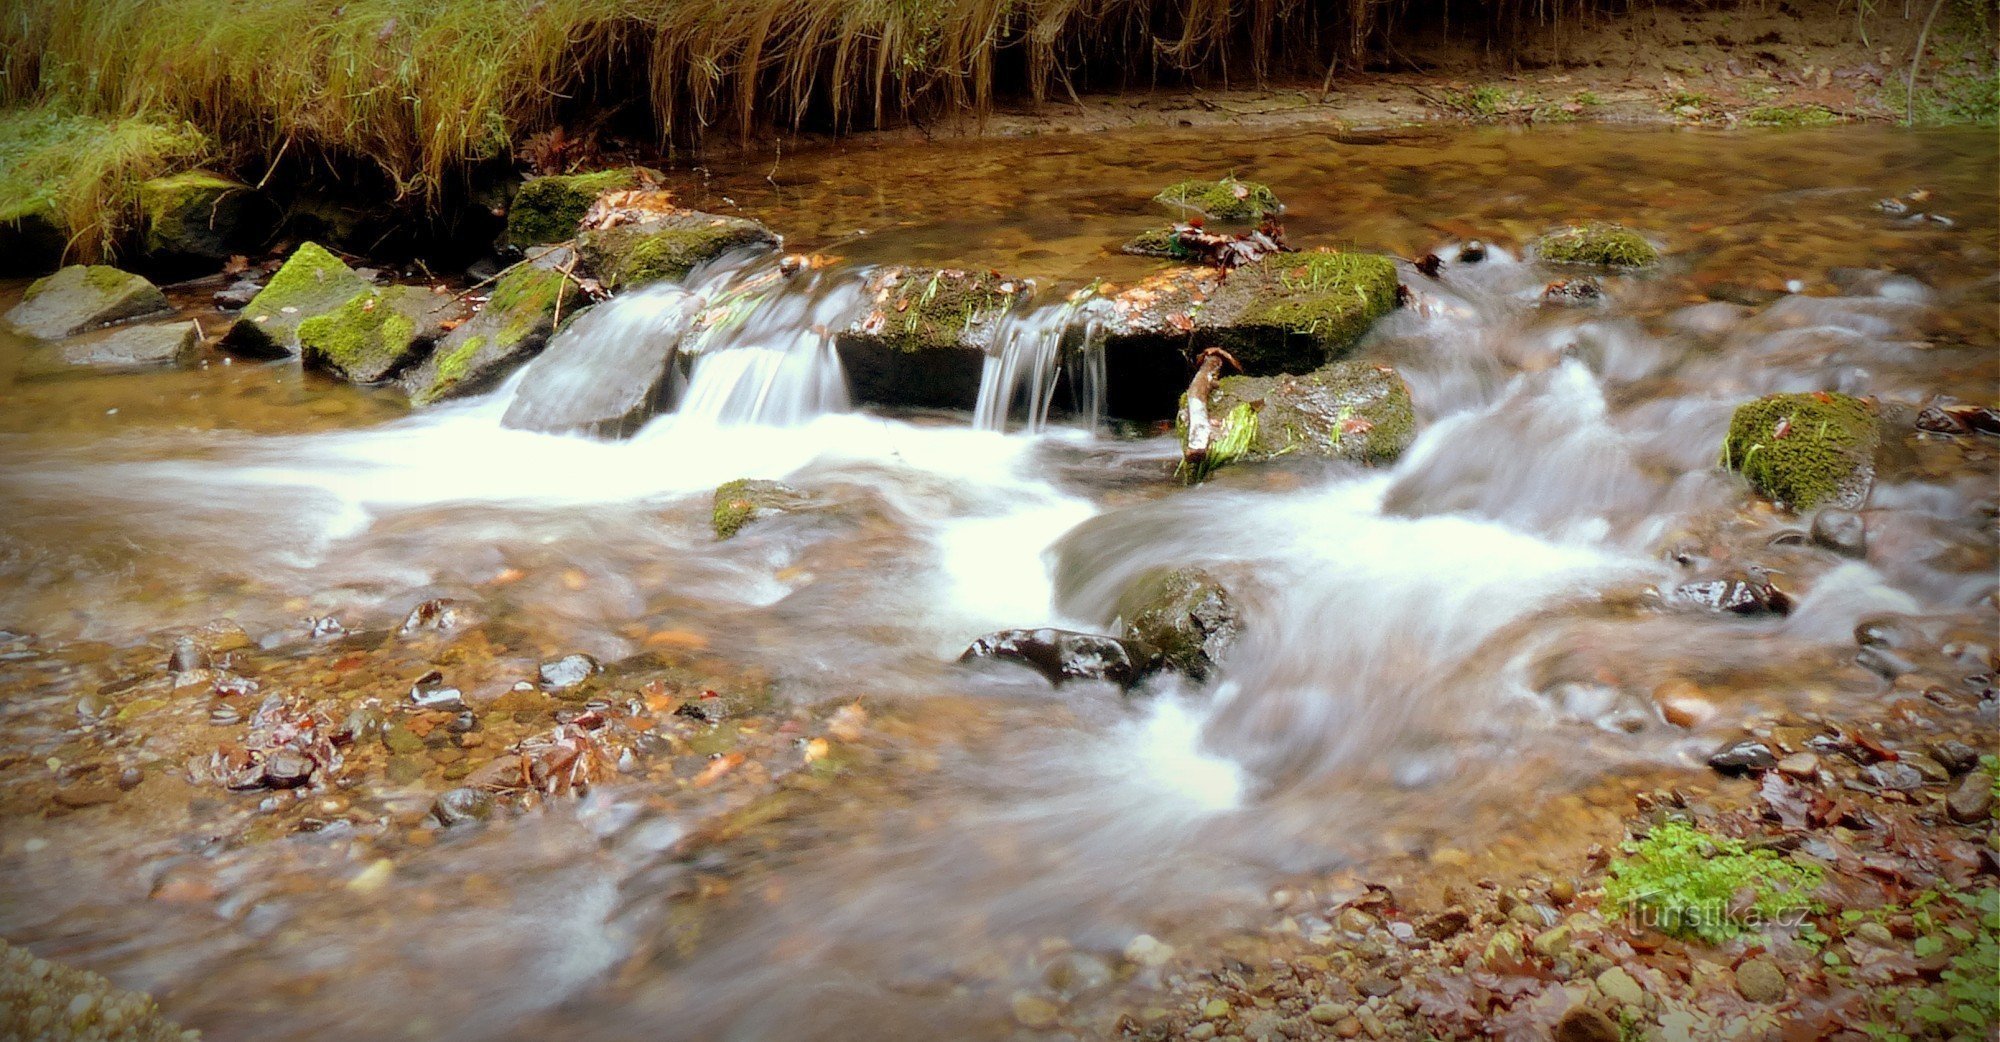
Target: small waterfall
x=765, y=352
x=1033, y=353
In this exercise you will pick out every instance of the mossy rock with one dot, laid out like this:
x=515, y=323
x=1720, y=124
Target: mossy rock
x=1805, y=450
x=1226, y=200
x=311, y=282
x=1186, y=613
x=83, y=297
x=739, y=502
x=923, y=337
x=1354, y=410
x=668, y=247
x=373, y=335
x=548, y=209
x=516, y=322
x=1293, y=312
x=1601, y=245
x=202, y=215
x=1155, y=242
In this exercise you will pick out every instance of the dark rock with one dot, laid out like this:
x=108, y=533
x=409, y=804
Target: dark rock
x=567, y=672
x=201, y=216
x=312, y=282
x=923, y=333
x=462, y=806
x=666, y=247
x=607, y=373
x=738, y=503
x=1971, y=803
x=187, y=656
x=84, y=297
x=1187, y=614
x=1842, y=531
x=1750, y=595
x=439, y=614
x=237, y=295
x=1443, y=926
x=1742, y=758
x=287, y=768
x=1956, y=756
x=1472, y=252
x=515, y=323
x=1948, y=416
x=1064, y=655
x=1582, y=291
x=1583, y=1024
x=1355, y=411
x=375, y=334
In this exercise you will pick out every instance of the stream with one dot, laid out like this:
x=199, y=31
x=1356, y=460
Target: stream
x=1433, y=652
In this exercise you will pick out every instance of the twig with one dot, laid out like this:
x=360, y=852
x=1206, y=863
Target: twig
x=1910, y=82
x=1200, y=430
x=273, y=168
x=568, y=265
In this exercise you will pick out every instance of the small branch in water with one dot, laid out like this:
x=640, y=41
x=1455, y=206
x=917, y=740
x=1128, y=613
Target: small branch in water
x=1200, y=431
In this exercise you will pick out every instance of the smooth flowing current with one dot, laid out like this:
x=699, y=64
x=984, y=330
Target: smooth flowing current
x=1432, y=651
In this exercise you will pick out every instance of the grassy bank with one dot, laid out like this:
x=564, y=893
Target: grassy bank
x=81, y=174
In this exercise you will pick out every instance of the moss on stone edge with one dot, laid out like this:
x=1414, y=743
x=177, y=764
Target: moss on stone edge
x=548, y=209
x=367, y=337
x=739, y=502
x=633, y=255
x=1804, y=450
x=1605, y=245
x=80, y=297
x=1791, y=116
x=1331, y=297
x=1353, y=410
x=926, y=309
x=453, y=367
x=179, y=209
x=524, y=298
x=1156, y=242
x=311, y=282
x=1226, y=200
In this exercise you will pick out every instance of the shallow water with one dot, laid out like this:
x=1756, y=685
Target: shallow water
x=1430, y=649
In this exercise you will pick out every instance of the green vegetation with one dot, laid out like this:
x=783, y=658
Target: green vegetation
x=635, y=254
x=1238, y=433
x=1802, y=450
x=372, y=334
x=81, y=297
x=1330, y=297
x=739, y=502
x=1351, y=410
x=192, y=212
x=82, y=174
x=922, y=309
x=547, y=209
x=1691, y=884
x=1964, y=1001
x=1226, y=200
x=1486, y=103
x=1606, y=245
x=311, y=282
x=1790, y=116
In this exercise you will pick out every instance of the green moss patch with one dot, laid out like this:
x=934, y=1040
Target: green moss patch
x=548, y=209
x=373, y=334
x=516, y=322
x=202, y=214
x=1354, y=410
x=1295, y=312
x=1155, y=242
x=668, y=248
x=1805, y=450
x=1226, y=200
x=83, y=174
x=1711, y=888
x=927, y=309
x=1790, y=116
x=82, y=297
x=311, y=282
x=1604, y=245
x=739, y=502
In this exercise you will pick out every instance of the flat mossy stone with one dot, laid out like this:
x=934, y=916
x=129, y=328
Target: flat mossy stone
x=1294, y=312
x=374, y=334
x=739, y=502
x=548, y=209
x=1225, y=200
x=1186, y=613
x=311, y=282
x=83, y=297
x=516, y=322
x=1601, y=245
x=198, y=214
x=1354, y=410
x=1805, y=450
x=668, y=247
x=922, y=337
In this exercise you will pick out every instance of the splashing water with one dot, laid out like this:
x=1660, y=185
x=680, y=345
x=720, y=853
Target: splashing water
x=1035, y=354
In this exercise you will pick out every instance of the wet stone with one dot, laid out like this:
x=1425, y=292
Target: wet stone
x=1894, y=776
x=1760, y=980
x=1956, y=756
x=1972, y=801
x=431, y=692
x=1742, y=758
x=186, y=656
x=462, y=806
x=1064, y=655
x=287, y=769
x=1842, y=531
x=567, y=672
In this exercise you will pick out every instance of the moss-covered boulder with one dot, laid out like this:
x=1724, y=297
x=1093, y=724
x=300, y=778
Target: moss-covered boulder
x=1354, y=410
x=547, y=209
x=1601, y=245
x=516, y=322
x=1226, y=200
x=922, y=337
x=667, y=247
x=1294, y=312
x=1805, y=450
x=375, y=334
x=1155, y=242
x=198, y=215
x=739, y=502
x=311, y=282
x=82, y=297
x=1186, y=613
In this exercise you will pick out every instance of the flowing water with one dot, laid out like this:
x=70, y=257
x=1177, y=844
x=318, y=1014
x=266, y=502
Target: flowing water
x=1430, y=651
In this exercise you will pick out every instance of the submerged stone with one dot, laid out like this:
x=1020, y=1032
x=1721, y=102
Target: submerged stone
x=131, y=347
x=1604, y=245
x=83, y=297
x=547, y=209
x=1805, y=450
x=923, y=339
x=1187, y=614
x=739, y=502
x=1356, y=411
x=374, y=334
x=667, y=247
x=515, y=323
x=204, y=216
x=311, y=282
x=1225, y=200
x=1065, y=655
x=567, y=672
